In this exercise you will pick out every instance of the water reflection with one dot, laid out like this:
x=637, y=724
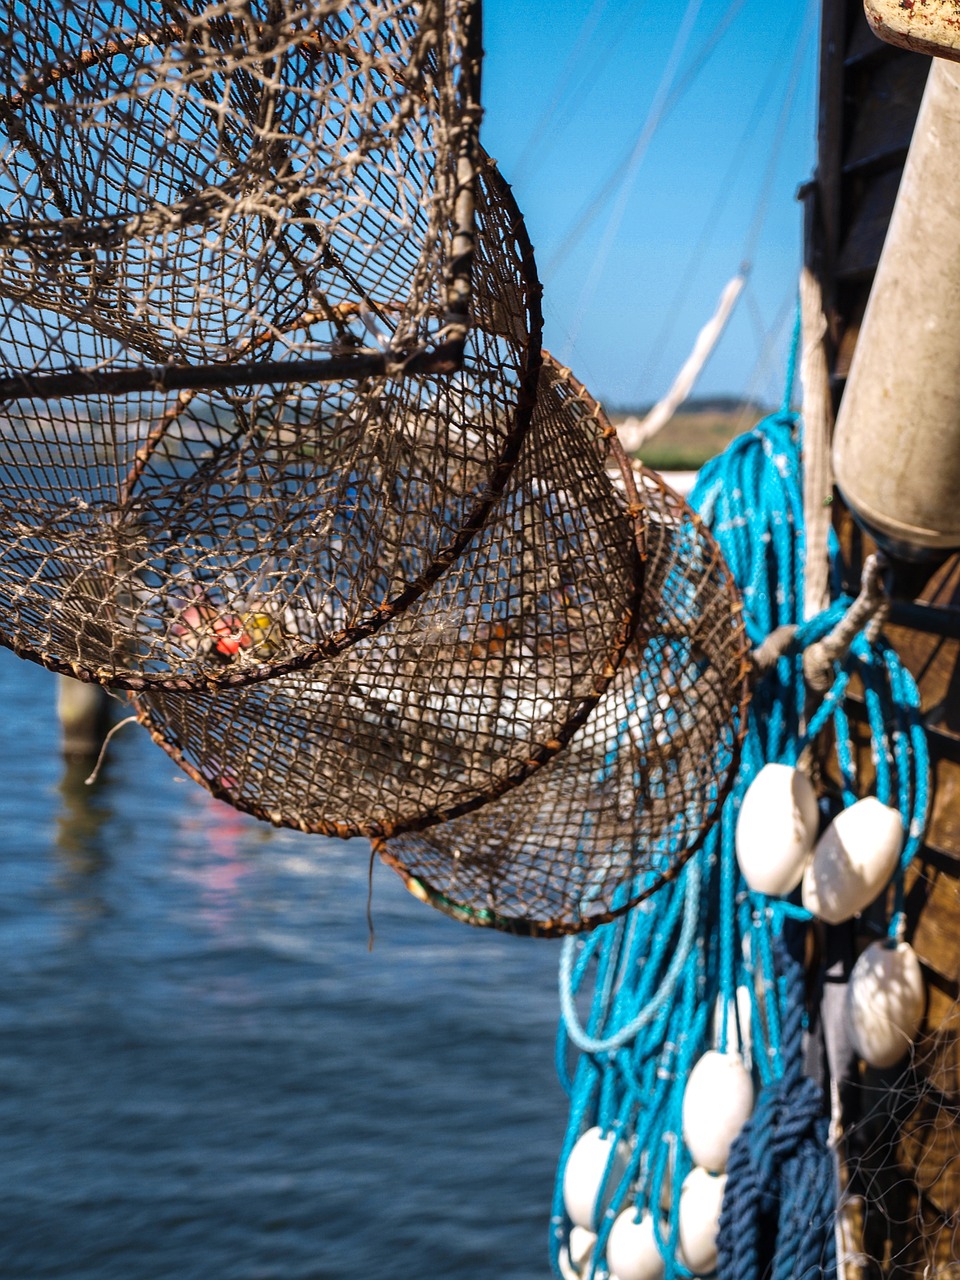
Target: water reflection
x=212, y=853
x=82, y=817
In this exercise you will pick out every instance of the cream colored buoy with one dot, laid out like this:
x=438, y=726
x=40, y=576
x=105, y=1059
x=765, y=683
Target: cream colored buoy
x=580, y=1247
x=717, y=1102
x=896, y=448
x=885, y=1002
x=632, y=1252
x=776, y=828
x=739, y=1023
x=576, y=1255
x=701, y=1199
x=853, y=860
x=584, y=1174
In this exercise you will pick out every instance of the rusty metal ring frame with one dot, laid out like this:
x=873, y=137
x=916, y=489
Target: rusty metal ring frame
x=136, y=559
x=467, y=693
x=619, y=811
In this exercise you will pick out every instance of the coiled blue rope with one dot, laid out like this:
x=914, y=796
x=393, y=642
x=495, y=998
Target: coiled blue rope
x=683, y=971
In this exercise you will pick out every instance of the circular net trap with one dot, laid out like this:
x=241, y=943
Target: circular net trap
x=184, y=180
x=467, y=692
x=618, y=812
x=198, y=208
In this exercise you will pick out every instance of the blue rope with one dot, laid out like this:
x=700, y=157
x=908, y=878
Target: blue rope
x=660, y=973
x=778, y=1208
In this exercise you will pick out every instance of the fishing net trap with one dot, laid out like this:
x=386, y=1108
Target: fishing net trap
x=269, y=329
x=567, y=710
x=277, y=453
x=615, y=815
x=471, y=688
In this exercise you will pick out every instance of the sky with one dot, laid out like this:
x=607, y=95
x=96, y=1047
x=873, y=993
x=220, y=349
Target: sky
x=652, y=148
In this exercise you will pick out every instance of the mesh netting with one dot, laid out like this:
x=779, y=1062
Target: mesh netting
x=632, y=796
x=469, y=690
x=183, y=180
x=220, y=199
x=899, y=1209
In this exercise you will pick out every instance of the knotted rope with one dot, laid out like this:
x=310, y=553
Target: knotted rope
x=777, y=1218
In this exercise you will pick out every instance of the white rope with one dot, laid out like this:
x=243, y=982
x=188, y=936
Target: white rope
x=103, y=750
x=599, y=201
x=655, y=115
x=817, y=433
x=635, y=432
x=818, y=660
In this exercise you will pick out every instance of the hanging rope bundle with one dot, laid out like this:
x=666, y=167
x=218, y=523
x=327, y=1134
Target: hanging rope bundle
x=472, y=688
x=698, y=993
x=200, y=207
x=781, y=1200
x=618, y=811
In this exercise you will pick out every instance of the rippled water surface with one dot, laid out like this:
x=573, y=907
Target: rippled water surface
x=205, y=1073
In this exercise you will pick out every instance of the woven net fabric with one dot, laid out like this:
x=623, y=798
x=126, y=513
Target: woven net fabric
x=619, y=811
x=224, y=535
x=470, y=690
x=186, y=179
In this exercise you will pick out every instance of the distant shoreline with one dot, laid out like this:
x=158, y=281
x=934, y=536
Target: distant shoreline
x=693, y=435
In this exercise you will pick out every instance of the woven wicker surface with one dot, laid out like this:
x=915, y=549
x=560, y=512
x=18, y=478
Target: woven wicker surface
x=224, y=533
x=618, y=812
x=469, y=691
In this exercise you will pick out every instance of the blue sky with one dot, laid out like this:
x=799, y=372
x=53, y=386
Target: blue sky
x=624, y=300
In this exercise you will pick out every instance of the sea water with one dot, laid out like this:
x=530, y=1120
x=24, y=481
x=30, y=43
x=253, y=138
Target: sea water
x=204, y=1072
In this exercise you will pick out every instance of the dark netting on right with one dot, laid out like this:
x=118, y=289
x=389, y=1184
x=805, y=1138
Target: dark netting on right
x=471, y=689
x=224, y=536
x=899, y=1149
x=620, y=810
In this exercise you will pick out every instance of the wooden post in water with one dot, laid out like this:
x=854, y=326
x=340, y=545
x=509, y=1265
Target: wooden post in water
x=84, y=714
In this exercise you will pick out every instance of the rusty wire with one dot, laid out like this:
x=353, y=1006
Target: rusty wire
x=618, y=812
x=470, y=690
x=199, y=205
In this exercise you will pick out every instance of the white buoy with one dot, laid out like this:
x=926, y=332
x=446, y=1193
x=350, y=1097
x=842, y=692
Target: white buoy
x=853, y=860
x=576, y=1255
x=717, y=1102
x=776, y=828
x=896, y=448
x=737, y=1021
x=580, y=1247
x=701, y=1199
x=584, y=1174
x=632, y=1252
x=885, y=1002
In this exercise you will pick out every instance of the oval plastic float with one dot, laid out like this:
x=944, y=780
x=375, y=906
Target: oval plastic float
x=632, y=1252
x=584, y=1175
x=701, y=1199
x=717, y=1102
x=885, y=1001
x=776, y=828
x=853, y=860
